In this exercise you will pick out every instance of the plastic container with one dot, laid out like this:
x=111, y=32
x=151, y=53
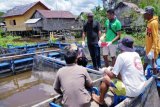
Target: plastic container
x=103, y=44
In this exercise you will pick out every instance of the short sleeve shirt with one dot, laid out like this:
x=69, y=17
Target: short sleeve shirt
x=129, y=65
x=92, y=30
x=115, y=26
x=72, y=80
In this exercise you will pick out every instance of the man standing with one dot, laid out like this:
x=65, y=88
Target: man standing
x=129, y=68
x=152, y=38
x=91, y=29
x=113, y=28
x=72, y=81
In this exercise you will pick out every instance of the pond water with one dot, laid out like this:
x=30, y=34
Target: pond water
x=25, y=89
x=28, y=88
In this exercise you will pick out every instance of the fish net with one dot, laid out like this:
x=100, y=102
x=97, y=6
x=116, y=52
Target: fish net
x=43, y=64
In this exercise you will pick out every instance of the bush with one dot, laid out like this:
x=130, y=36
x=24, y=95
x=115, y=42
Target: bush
x=77, y=34
x=4, y=41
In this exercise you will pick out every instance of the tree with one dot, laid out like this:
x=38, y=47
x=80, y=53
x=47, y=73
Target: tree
x=1, y=19
x=143, y=3
x=99, y=14
x=154, y=3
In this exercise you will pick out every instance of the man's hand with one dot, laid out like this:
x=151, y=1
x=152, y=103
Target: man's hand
x=102, y=37
x=106, y=69
x=109, y=43
x=83, y=44
x=150, y=55
x=99, y=43
x=144, y=48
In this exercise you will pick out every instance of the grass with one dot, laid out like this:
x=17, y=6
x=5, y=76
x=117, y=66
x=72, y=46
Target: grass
x=139, y=39
x=4, y=41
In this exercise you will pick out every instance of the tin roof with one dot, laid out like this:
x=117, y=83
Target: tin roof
x=56, y=14
x=22, y=9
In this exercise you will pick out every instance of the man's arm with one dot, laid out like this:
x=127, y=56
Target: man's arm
x=154, y=28
x=57, y=84
x=84, y=32
x=99, y=30
x=109, y=74
x=83, y=36
x=88, y=80
x=103, y=34
x=118, y=31
x=117, y=37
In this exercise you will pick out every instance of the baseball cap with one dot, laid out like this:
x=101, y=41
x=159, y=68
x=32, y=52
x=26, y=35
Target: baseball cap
x=148, y=10
x=90, y=15
x=126, y=44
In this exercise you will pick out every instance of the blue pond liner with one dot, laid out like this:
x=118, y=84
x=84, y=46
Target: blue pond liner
x=54, y=54
x=5, y=67
x=23, y=60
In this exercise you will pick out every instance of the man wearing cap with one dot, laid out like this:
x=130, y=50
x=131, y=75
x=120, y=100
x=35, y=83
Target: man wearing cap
x=72, y=81
x=81, y=58
x=113, y=31
x=152, y=37
x=129, y=67
x=91, y=29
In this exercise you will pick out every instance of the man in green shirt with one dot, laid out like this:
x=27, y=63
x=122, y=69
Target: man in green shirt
x=113, y=28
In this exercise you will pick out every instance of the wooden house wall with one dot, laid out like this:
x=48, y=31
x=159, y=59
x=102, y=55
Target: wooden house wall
x=20, y=20
x=57, y=24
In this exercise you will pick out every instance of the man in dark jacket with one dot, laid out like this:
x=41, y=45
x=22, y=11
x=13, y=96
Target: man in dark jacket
x=91, y=29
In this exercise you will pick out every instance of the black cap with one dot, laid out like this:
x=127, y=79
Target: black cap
x=90, y=15
x=149, y=10
x=126, y=44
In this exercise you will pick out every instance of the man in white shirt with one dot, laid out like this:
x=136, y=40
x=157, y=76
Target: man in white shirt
x=129, y=67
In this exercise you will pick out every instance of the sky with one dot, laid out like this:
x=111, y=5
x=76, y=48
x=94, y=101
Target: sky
x=74, y=6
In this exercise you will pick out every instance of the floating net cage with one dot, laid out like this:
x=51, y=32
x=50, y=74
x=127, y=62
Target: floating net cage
x=44, y=67
x=43, y=64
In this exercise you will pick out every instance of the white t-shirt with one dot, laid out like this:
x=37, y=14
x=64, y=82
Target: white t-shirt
x=129, y=65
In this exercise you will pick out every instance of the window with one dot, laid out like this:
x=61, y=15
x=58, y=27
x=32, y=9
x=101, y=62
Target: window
x=12, y=22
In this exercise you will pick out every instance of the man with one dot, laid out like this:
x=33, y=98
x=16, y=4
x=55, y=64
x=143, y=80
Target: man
x=72, y=81
x=91, y=29
x=113, y=28
x=152, y=38
x=81, y=58
x=129, y=68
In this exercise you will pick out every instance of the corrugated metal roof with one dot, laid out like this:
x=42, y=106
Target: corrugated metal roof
x=56, y=14
x=20, y=10
x=32, y=21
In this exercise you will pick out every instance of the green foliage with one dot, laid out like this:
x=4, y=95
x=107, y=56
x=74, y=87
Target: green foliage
x=139, y=38
x=99, y=15
x=1, y=19
x=4, y=41
x=155, y=3
x=76, y=34
x=84, y=17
